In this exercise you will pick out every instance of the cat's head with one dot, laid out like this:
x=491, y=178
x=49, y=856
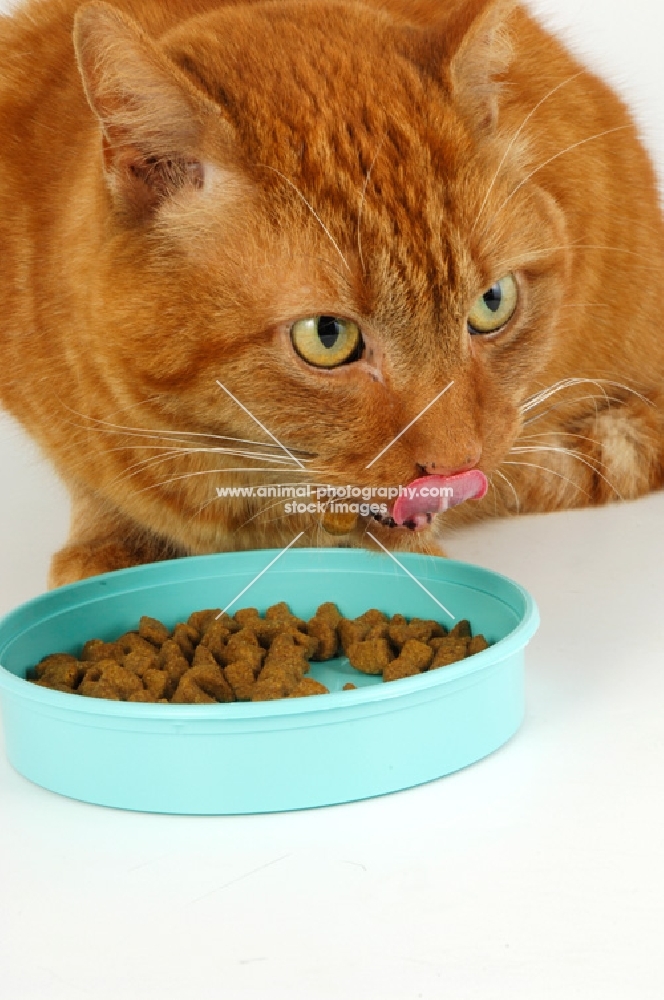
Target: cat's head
x=319, y=206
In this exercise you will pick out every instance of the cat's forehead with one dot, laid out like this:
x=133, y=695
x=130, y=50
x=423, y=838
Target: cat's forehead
x=321, y=85
x=335, y=103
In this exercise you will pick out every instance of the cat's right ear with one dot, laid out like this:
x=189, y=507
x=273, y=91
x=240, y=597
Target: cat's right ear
x=153, y=120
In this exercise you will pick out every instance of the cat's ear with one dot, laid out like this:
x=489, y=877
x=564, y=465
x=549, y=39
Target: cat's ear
x=478, y=51
x=152, y=117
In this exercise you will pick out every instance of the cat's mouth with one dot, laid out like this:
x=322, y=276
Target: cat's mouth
x=422, y=499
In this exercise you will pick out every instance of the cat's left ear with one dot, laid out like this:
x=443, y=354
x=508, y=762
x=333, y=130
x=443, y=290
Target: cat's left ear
x=153, y=119
x=478, y=51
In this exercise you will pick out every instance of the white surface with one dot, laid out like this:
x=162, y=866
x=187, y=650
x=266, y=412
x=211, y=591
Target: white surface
x=536, y=874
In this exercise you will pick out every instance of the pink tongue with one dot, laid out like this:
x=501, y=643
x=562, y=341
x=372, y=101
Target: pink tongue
x=433, y=494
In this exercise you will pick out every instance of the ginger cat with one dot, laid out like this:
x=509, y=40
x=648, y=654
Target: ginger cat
x=368, y=243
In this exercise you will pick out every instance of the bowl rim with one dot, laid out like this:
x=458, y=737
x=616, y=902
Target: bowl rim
x=423, y=684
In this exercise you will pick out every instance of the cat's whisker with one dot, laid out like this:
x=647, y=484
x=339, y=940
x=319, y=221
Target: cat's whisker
x=575, y=401
x=311, y=209
x=179, y=437
x=544, y=468
x=146, y=463
x=567, y=383
x=552, y=159
x=516, y=135
x=166, y=434
x=556, y=433
x=209, y=472
x=362, y=197
x=573, y=454
x=511, y=486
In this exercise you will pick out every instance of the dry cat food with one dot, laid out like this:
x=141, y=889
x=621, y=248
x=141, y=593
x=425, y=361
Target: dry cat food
x=215, y=657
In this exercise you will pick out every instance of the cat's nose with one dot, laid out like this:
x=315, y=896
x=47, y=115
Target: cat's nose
x=440, y=467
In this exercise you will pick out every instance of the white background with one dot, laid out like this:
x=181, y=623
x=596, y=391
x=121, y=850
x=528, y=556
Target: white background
x=536, y=874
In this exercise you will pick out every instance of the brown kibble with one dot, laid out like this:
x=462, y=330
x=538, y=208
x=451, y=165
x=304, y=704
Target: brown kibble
x=215, y=639
x=98, y=689
x=243, y=645
x=132, y=642
x=142, y=696
x=153, y=630
x=308, y=686
x=138, y=662
x=416, y=652
x=188, y=692
x=350, y=632
x=400, y=631
x=370, y=656
x=240, y=676
x=60, y=670
x=210, y=679
x=461, y=630
x=372, y=617
x=54, y=686
x=282, y=613
x=328, y=612
x=123, y=680
x=248, y=618
x=400, y=668
x=450, y=653
x=169, y=651
x=308, y=643
x=326, y=633
x=97, y=649
x=477, y=645
x=157, y=682
x=186, y=637
x=270, y=688
x=246, y=657
x=202, y=620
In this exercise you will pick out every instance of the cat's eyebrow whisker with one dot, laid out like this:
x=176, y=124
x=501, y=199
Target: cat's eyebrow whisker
x=544, y=468
x=527, y=255
x=311, y=209
x=551, y=159
x=362, y=197
x=572, y=454
x=516, y=495
x=516, y=135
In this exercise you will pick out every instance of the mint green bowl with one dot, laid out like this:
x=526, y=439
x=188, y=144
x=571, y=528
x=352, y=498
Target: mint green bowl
x=267, y=756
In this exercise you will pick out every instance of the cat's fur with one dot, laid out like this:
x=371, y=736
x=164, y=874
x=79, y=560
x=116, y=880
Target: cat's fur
x=385, y=161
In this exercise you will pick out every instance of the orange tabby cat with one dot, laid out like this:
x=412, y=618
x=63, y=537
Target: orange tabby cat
x=370, y=243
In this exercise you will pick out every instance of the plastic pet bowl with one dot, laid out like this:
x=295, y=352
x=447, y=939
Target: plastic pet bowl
x=266, y=756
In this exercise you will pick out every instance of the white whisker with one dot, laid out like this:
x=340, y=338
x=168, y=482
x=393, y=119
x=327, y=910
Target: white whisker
x=563, y=152
x=516, y=136
x=362, y=197
x=516, y=496
x=572, y=454
x=532, y=465
x=311, y=209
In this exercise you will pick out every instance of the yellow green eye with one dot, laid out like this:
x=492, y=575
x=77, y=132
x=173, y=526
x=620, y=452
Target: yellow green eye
x=493, y=309
x=327, y=341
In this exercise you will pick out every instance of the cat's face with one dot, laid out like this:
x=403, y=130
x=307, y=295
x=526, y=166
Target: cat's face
x=361, y=189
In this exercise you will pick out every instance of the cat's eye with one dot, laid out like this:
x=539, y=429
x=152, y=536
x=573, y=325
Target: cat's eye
x=495, y=307
x=327, y=341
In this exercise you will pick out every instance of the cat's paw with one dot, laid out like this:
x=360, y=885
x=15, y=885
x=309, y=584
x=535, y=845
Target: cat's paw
x=79, y=561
